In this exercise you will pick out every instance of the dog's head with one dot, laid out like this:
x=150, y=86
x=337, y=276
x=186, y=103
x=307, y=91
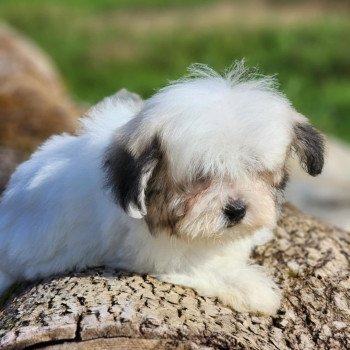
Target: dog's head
x=206, y=156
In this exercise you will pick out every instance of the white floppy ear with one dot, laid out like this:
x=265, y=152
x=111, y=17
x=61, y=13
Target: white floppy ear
x=127, y=175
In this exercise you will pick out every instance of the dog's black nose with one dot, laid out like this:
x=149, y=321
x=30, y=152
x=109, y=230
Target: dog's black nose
x=235, y=211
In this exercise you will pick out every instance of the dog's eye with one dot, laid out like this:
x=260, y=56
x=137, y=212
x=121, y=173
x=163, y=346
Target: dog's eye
x=197, y=185
x=202, y=180
x=277, y=179
x=201, y=183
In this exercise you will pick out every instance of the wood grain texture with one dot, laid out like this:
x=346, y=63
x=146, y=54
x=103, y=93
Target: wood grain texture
x=102, y=309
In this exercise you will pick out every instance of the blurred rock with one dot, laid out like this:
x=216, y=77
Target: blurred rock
x=33, y=102
x=327, y=196
x=9, y=159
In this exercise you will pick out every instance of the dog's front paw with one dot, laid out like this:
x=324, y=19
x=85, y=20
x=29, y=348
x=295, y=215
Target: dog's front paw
x=257, y=297
x=253, y=292
x=250, y=291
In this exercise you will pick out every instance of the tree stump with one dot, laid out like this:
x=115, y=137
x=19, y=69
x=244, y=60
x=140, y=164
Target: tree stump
x=105, y=309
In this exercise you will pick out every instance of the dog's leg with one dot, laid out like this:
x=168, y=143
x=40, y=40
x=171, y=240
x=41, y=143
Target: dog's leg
x=251, y=290
x=247, y=289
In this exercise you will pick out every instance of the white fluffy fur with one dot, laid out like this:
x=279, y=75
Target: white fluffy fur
x=223, y=125
x=56, y=216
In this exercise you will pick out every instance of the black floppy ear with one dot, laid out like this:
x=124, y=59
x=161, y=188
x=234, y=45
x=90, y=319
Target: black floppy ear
x=127, y=175
x=309, y=146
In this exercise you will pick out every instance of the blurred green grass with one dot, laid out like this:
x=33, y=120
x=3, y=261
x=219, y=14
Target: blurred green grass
x=99, y=51
x=101, y=5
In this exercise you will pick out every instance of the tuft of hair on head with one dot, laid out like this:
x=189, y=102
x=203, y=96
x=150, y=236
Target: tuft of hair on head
x=236, y=74
x=206, y=104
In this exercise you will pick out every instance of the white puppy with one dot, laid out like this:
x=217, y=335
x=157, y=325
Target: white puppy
x=182, y=187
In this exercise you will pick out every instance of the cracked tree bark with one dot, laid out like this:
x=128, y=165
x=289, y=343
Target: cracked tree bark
x=105, y=309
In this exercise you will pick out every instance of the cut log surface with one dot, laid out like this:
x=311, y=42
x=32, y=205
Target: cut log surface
x=105, y=309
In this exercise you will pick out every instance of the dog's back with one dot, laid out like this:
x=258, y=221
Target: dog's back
x=54, y=199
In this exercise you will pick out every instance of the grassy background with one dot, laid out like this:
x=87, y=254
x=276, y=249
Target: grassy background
x=101, y=46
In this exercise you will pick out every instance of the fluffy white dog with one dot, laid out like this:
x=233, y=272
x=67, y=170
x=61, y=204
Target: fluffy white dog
x=181, y=187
